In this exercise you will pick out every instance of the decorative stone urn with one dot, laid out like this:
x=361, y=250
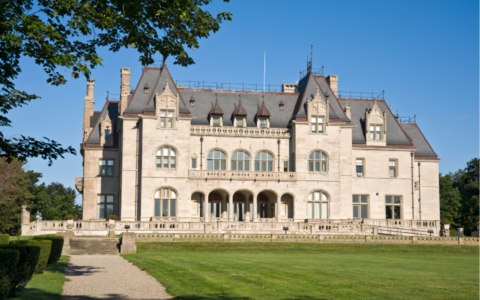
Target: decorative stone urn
x=460, y=232
x=69, y=225
x=446, y=226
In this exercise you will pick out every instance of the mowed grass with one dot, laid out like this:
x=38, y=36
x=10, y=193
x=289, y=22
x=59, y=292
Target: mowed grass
x=311, y=271
x=49, y=284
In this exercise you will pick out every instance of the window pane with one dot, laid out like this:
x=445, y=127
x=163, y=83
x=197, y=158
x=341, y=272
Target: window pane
x=194, y=163
x=269, y=156
x=396, y=211
x=310, y=156
x=285, y=166
x=324, y=157
x=310, y=210
x=391, y=163
x=247, y=162
x=101, y=211
x=372, y=135
x=314, y=128
x=172, y=152
x=165, y=208
x=324, y=166
x=110, y=171
x=359, y=169
x=172, y=162
x=216, y=154
x=317, y=155
x=392, y=172
x=157, y=208
x=310, y=196
x=314, y=119
x=173, y=195
x=320, y=128
x=246, y=156
x=378, y=128
x=396, y=200
x=317, y=166
x=169, y=123
x=240, y=155
x=317, y=210
x=324, y=197
x=310, y=166
x=170, y=114
x=162, y=122
x=102, y=162
x=165, y=162
x=364, y=198
x=355, y=211
x=102, y=171
x=109, y=210
x=222, y=155
x=264, y=155
x=240, y=165
x=359, y=162
x=388, y=210
x=324, y=210
x=110, y=199
x=240, y=122
x=162, y=113
x=234, y=156
x=234, y=165
x=257, y=156
x=264, y=165
x=209, y=155
x=355, y=198
x=165, y=151
x=172, y=208
x=270, y=166
x=215, y=164
x=110, y=162
x=378, y=136
x=101, y=198
x=364, y=212
x=257, y=166
x=388, y=199
x=372, y=128
x=223, y=164
x=209, y=164
x=317, y=195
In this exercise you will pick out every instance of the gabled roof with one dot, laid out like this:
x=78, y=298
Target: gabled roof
x=216, y=109
x=111, y=108
x=156, y=78
x=239, y=110
x=419, y=141
x=395, y=134
x=263, y=111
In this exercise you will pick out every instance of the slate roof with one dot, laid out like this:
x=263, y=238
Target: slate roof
x=111, y=107
x=263, y=111
x=419, y=141
x=216, y=109
x=94, y=118
x=395, y=134
x=240, y=111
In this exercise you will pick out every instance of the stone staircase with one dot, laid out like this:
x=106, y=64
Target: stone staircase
x=90, y=246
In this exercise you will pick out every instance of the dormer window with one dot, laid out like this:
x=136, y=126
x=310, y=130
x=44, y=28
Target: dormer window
x=240, y=114
x=376, y=132
x=263, y=115
x=216, y=114
x=192, y=102
x=146, y=88
x=262, y=123
x=216, y=121
x=317, y=124
x=166, y=119
x=239, y=121
x=281, y=105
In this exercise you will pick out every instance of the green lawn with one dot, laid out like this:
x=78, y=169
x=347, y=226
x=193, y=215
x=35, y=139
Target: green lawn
x=48, y=285
x=311, y=271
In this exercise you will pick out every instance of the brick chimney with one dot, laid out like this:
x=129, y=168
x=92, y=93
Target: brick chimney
x=333, y=83
x=88, y=111
x=124, y=89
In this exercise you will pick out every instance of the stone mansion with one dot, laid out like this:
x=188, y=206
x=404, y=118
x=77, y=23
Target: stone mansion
x=165, y=151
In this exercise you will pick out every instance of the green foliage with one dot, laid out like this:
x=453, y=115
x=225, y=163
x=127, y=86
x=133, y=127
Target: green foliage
x=66, y=34
x=57, y=246
x=112, y=217
x=466, y=181
x=27, y=262
x=45, y=249
x=9, y=259
x=69, y=217
x=449, y=200
x=21, y=238
x=4, y=239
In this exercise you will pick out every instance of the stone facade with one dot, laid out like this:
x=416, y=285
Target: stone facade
x=320, y=150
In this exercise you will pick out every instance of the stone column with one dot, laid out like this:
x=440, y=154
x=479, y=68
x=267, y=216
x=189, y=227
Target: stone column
x=111, y=229
x=128, y=243
x=255, y=218
x=230, y=204
x=277, y=209
x=25, y=219
x=66, y=242
x=246, y=213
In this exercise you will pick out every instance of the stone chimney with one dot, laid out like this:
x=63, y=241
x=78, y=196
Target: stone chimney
x=88, y=111
x=348, y=111
x=289, y=88
x=124, y=89
x=333, y=83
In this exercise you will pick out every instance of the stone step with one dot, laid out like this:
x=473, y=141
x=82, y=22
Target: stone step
x=91, y=246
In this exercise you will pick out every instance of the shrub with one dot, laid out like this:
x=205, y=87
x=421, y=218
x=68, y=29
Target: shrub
x=45, y=248
x=9, y=259
x=4, y=238
x=20, y=238
x=69, y=217
x=446, y=222
x=27, y=261
x=57, y=246
x=112, y=217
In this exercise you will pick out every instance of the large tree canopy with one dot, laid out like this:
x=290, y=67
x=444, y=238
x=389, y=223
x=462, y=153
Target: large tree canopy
x=67, y=34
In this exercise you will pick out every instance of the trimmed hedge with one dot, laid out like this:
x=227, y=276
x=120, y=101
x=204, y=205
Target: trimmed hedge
x=4, y=238
x=57, y=246
x=27, y=262
x=9, y=259
x=45, y=249
x=20, y=238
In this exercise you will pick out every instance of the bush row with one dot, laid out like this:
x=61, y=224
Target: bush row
x=21, y=258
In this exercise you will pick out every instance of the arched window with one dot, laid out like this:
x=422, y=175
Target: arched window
x=216, y=160
x=166, y=158
x=317, y=205
x=165, y=203
x=240, y=161
x=317, y=162
x=264, y=161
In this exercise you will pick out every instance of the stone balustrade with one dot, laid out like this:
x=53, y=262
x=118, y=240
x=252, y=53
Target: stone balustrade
x=237, y=131
x=242, y=175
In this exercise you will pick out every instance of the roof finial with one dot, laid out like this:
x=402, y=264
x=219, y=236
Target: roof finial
x=240, y=100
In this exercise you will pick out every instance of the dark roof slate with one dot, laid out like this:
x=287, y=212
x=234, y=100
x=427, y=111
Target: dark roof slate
x=111, y=107
x=239, y=110
x=419, y=140
x=94, y=118
x=263, y=111
x=216, y=109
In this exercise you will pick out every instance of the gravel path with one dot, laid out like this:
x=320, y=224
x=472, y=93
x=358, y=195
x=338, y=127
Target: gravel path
x=109, y=277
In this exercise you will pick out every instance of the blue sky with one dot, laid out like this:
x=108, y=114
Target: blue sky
x=424, y=54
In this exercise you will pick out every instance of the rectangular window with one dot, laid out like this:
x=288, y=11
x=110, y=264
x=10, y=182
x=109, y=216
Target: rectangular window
x=166, y=119
x=263, y=123
x=360, y=206
x=359, y=167
x=285, y=166
x=106, y=167
x=393, y=207
x=376, y=132
x=105, y=206
x=216, y=121
x=317, y=124
x=239, y=122
x=194, y=163
x=107, y=135
x=392, y=166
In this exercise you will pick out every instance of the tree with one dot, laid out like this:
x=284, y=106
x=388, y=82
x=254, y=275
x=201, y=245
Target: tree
x=450, y=200
x=466, y=181
x=55, y=201
x=67, y=33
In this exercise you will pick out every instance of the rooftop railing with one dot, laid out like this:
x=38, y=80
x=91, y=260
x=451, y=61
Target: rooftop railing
x=361, y=95
x=229, y=86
